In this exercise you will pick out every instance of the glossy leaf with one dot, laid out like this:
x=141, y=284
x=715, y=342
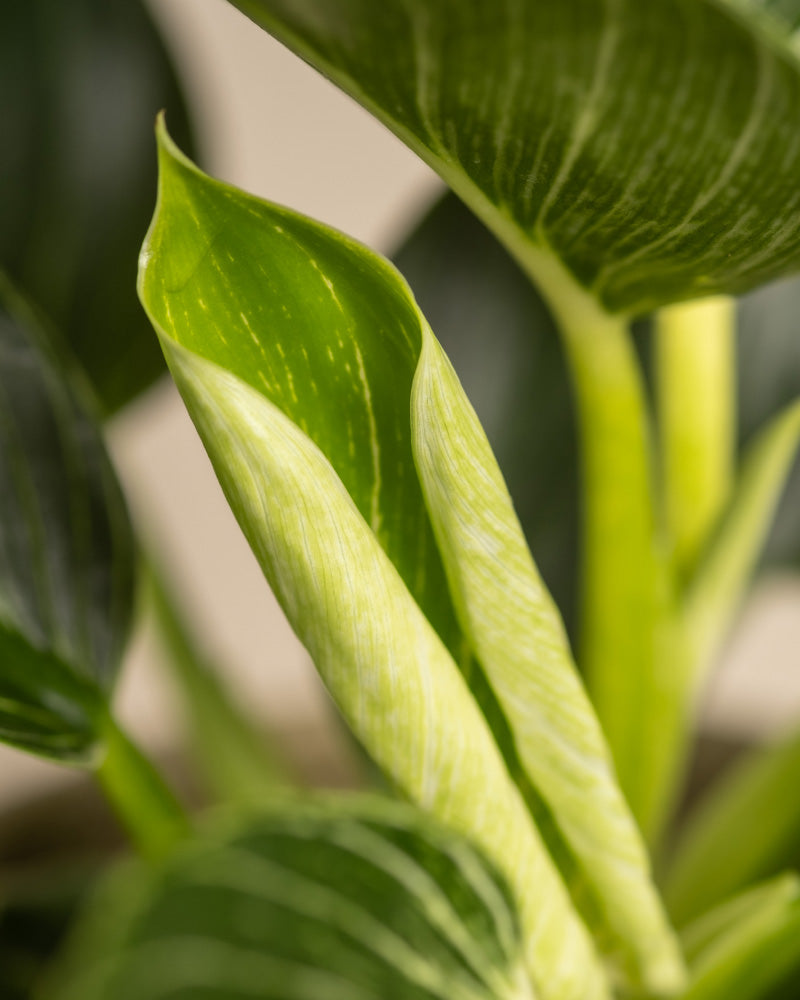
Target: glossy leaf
x=79, y=86
x=365, y=900
x=330, y=297
x=708, y=865
x=66, y=572
x=650, y=178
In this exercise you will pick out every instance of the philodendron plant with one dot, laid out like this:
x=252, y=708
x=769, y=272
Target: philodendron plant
x=634, y=157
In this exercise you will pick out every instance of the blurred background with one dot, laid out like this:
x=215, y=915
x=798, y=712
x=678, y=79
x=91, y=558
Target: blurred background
x=269, y=124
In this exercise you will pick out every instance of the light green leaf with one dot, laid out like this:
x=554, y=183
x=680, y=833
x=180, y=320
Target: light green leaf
x=714, y=594
x=518, y=637
x=705, y=931
x=755, y=954
x=504, y=346
x=364, y=900
x=66, y=549
x=759, y=797
x=652, y=148
x=295, y=350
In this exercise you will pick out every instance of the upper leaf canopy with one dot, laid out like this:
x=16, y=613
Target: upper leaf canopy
x=653, y=148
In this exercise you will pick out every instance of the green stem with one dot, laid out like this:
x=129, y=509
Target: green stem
x=139, y=796
x=622, y=590
x=696, y=380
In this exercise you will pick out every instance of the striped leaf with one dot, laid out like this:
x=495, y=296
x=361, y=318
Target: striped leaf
x=66, y=550
x=365, y=900
x=652, y=148
x=319, y=390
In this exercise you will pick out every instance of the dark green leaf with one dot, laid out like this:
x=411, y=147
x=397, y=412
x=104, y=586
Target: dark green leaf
x=652, y=148
x=66, y=549
x=364, y=900
x=80, y=84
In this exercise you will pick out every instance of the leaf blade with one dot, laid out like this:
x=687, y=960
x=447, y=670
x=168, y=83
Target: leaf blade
x=520, y=641
x=66, y=577
x=525, y=110
x=361, y=898
x=389, y=670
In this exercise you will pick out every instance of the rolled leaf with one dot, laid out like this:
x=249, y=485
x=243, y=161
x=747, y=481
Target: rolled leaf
x=66, y=549
x=295, y=351
x=315, y=901
x=651, y=148
x=517, y=634
x=504, y=346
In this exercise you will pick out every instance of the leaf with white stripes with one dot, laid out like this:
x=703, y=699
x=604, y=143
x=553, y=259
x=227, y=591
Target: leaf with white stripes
x=319, y=390
x=651, y=148
x=337, y=900
x=66, y=549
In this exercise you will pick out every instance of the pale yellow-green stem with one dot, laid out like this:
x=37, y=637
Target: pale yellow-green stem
x=621, y=589
x=696, y=382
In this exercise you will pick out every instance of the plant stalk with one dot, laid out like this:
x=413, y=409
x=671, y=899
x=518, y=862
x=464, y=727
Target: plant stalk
x=696, y=381
x=622, y=570
x=144, y=804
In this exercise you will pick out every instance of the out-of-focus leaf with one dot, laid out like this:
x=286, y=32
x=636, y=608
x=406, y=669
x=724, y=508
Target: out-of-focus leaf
x=651, y=148
x=759, y=798
x=34, y=920
x=365, y=900
x=237, y=762
x=503, y=343
x=714, y=594
x=769, y=380
x=66, y=550
x=80, y=83
x=703, y=932
x=756, y=955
